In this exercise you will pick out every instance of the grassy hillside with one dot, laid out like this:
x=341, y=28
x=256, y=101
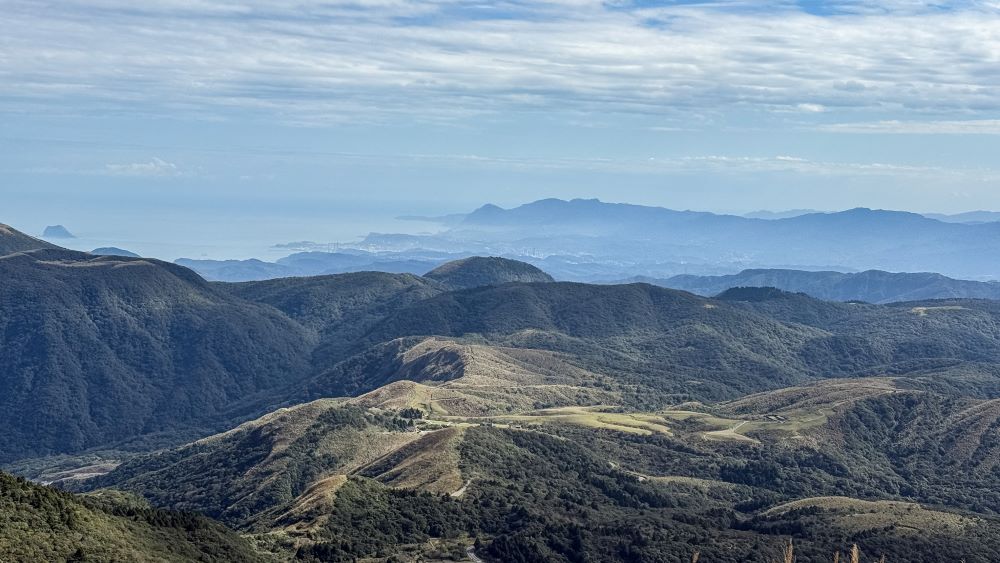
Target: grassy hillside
x=666, y=341
x=124, y=348
x=447, y=376
x=265, y=470
x=42, y=524
x=333, y=481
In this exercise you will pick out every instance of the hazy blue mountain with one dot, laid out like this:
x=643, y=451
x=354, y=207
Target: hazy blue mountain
x=764, y=214
x=967, y=217
x=321, y=263
x=236, y=270
x=590, y=240
x=873, y=286
x=113, y=251
x=314, y=263
x=57, y=231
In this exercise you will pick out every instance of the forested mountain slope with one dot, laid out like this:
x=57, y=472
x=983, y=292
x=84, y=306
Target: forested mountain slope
x=479, y=271
x=42, y=524
x=95, y=350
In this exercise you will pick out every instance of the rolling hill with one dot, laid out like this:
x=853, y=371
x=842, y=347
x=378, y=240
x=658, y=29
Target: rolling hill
x=364, y=477
x=481, y=271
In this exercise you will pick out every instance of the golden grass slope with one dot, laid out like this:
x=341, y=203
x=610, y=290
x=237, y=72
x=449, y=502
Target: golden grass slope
x=429, y=463
x=824, y=395
x=444, y=377
x=857, y=516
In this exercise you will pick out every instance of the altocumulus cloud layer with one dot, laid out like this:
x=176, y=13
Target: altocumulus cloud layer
x=883, y=65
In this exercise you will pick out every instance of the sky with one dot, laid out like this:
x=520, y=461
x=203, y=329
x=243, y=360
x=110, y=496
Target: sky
x=214, y=128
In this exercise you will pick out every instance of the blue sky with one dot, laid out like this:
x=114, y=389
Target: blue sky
x=323, y=119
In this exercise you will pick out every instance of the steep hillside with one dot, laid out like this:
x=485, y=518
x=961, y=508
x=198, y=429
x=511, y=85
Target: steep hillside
x=481, y=271
x=42, y=524
x=12, y=240
x=276, y=470
x=96, y=350
x=872, y=286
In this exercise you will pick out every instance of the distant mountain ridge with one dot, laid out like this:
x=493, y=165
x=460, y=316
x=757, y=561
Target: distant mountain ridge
x=590, y=240
x=313, y=263
x=967, y=217
x=872, y=286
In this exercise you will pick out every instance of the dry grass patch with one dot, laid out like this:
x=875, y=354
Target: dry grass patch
x=924, y=311
x=593, y=417
x=857, y=516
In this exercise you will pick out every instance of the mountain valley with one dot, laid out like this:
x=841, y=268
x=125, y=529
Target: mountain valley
x=487, y=411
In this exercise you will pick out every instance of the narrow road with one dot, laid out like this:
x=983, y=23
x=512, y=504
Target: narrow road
x=460, y=492
x=470, y=551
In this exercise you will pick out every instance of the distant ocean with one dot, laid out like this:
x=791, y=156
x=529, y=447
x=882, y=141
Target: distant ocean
x=220, y=236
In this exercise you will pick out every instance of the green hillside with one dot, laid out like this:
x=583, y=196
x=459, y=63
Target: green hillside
x=331, y=481
x=43, y=524
x=96, y=350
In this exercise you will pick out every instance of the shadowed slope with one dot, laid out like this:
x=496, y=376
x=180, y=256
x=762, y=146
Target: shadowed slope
x=99, y=349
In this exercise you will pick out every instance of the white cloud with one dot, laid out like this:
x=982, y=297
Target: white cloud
x=154, y=167
x=317, y=61
x=811, y=108
x=966, y=127
x=700, y=164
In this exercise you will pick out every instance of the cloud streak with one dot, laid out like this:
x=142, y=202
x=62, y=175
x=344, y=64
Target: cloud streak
x=895, y=127
x=315, y=62
x=153, y=167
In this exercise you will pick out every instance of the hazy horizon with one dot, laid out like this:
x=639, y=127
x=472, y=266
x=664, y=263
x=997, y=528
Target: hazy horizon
x=185, y=109
x=220, y=234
